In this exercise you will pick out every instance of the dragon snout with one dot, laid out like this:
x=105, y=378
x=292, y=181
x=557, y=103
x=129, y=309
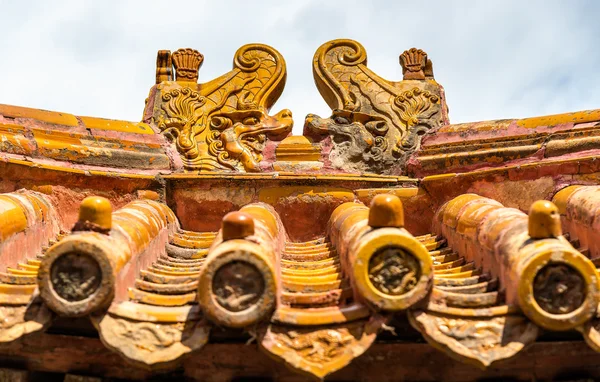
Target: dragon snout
x=285, y=113
x=312, y=124
x=310, y=118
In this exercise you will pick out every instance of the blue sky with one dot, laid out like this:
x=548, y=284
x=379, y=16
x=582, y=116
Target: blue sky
x=496, y=59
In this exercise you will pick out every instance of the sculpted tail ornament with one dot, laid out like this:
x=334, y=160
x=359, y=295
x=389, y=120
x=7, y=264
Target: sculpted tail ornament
x=221, y=125
x=403, y=110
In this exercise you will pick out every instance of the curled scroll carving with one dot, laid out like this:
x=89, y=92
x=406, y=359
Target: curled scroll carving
x=341, y=53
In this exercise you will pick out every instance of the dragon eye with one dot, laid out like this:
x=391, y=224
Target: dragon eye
x=220, y=122
x=341, y=121
x=250, y=121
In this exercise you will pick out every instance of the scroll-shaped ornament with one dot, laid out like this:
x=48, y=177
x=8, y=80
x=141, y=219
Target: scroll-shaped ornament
x=406, y=109
x=224, y=125
x=321, y=350
x=481, y=340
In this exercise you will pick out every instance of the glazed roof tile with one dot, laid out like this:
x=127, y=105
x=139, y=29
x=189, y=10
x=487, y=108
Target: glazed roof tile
x=205, y=222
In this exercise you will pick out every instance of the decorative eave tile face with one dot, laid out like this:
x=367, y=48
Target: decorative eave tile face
x=320, y=351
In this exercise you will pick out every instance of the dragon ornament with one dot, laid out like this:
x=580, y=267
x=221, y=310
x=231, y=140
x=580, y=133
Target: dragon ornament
x=376, y=124
x=224, y=124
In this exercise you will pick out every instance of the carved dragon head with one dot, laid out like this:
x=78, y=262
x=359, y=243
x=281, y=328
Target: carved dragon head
x=222, y=124
x=409, y=108
x=356, y=137
x=240, y=136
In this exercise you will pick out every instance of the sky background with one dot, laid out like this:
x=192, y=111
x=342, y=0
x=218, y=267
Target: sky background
x=496, y=59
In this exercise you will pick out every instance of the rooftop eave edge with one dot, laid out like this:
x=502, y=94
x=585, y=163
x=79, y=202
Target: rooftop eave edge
x=512, y=127
x=20, y=115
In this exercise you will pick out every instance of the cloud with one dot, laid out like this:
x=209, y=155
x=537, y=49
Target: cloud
x=496, y=59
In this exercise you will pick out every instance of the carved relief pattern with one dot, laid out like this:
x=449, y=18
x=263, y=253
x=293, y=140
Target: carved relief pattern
x=238, y=285
x=413, y=63
x=320, y=346
x=187, y=62
x=358, y=137
x=16, y=321
x=409, y=109
x=412, y=105
x=224, y=124
x=559, y=289
x=478, y=340
x=75, y=276
x=151, y=342
x=394, y=271
x=321, y=350
x=184, y=108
